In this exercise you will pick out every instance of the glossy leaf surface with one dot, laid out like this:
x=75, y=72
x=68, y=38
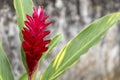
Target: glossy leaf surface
x=79, y=45
x=22, y=8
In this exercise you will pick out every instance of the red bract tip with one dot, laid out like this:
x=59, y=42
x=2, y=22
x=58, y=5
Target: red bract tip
x=34, y=44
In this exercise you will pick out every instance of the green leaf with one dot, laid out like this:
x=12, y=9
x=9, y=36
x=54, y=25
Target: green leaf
x=24, y=77
x=22, y=8
x=52, y=44
x=79, y=45
x=5, y=69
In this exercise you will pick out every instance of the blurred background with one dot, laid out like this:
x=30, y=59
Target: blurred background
x=102, y=62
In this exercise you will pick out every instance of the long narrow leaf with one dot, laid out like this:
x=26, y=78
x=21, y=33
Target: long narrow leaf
x=22, y=8
x=52, y=44
x=79, y=45
x=5, y=69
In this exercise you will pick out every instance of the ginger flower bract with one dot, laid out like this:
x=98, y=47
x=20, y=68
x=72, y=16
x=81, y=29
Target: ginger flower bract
x=33, y=42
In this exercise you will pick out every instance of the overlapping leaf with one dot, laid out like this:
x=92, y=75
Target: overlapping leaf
x=22, y=8
x=80, y=44
x=5, y=69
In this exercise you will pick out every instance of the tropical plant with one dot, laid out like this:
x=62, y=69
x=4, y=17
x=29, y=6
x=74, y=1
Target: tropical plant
x=32, y=24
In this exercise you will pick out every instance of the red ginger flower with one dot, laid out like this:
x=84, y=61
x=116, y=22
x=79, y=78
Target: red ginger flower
x=34, y=44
